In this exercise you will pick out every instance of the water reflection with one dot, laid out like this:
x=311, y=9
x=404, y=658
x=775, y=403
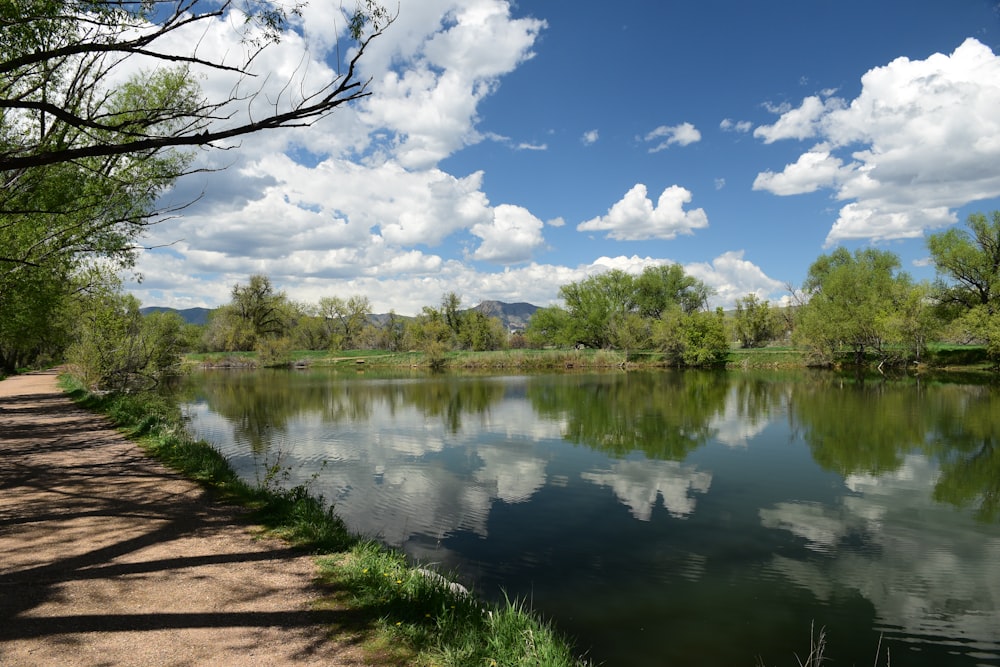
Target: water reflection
x=926, y=570
x=638, y=484
x=682, y=499
x=664, y=416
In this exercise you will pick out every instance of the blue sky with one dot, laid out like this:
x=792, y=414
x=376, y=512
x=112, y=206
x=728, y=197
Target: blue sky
x=510, y=148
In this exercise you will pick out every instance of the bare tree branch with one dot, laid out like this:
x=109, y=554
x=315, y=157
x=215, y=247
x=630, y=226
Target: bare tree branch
x=71, y=120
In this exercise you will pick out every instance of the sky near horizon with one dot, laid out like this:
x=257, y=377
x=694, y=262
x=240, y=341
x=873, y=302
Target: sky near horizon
x=509, y=148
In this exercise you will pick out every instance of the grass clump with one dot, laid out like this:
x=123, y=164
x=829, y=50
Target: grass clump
x=444, y=623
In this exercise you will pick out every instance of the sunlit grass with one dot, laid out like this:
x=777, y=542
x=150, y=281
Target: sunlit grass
x=444, y=623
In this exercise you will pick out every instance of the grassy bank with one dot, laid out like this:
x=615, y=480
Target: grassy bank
x=937, y=357
x=401, y=613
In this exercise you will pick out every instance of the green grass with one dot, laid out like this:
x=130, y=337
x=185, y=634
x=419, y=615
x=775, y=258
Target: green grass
x=940, y=356
x=766, y=357
x=403, y=613
x=444, y=625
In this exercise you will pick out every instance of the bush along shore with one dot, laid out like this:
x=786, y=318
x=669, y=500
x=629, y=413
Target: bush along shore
x=402, y=613
x=938, y=357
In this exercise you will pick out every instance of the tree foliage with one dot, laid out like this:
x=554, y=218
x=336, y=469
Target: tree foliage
x=257, y=318
x=439, y=330
x=691, y=339
x=661, y=287
x=661, y=307
x=345, y=320
x=549, y=327
x=863, y=303
x=968, y=286
x=968, y=263
x=115, y=347
x=755, y=322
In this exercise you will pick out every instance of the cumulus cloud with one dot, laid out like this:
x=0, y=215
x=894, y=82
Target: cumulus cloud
x=920, y=140
x=429, y=108
x=635, y=218
x=665, y=136
x=733, y=277
x=814, y=169
x=590, y=137
x=510, y=237
x=344, y=203
x=800, y=123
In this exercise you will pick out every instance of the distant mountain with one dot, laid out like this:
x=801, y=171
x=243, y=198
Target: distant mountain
x=197, y=316
x=513, y=315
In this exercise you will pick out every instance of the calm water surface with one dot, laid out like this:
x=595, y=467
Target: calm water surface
x=662, y=518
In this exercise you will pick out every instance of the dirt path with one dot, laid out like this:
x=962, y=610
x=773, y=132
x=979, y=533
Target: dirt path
x=108, y=558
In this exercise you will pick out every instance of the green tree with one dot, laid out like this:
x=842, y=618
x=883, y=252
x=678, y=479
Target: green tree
x=853, y=303
x=969, y=264
x=549, y=326
x=481, y=332
x=391, y=335
x=429, y=332
x=451, y=304
x=691, y=339
x=755, y=322
x=346, y=319
x=32, y=327
x=57, y=219
x=264, y=311
x=592, y=303
x=630, y=331
x=914, y=321
x=115, y=347
x=309, y=331
x=84, y=157
x=257, y=316
x=660, y=287
x=968, y=286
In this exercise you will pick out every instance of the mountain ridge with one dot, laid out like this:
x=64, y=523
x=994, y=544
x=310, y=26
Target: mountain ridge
x=514, y=316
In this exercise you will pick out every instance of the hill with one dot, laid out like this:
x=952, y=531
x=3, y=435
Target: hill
x=514, y=316
x=197, y=316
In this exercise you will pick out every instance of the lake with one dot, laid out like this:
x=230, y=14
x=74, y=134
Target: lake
x=661, y=518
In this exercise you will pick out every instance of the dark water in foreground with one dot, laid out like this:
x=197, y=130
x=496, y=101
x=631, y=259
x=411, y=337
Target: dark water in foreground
x=662, y=518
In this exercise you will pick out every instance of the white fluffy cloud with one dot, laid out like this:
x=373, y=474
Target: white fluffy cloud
x=510, y=237
x=814, y=169
x=665, y=136
x=733, y=277
x=340, y=207
x=429, y=108
x=635, y=218
x=921, y=139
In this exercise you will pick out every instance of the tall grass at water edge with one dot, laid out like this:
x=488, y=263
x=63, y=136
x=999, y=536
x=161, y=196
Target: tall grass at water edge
x=409, y=614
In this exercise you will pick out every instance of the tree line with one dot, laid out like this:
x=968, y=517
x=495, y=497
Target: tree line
x=855, y=307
